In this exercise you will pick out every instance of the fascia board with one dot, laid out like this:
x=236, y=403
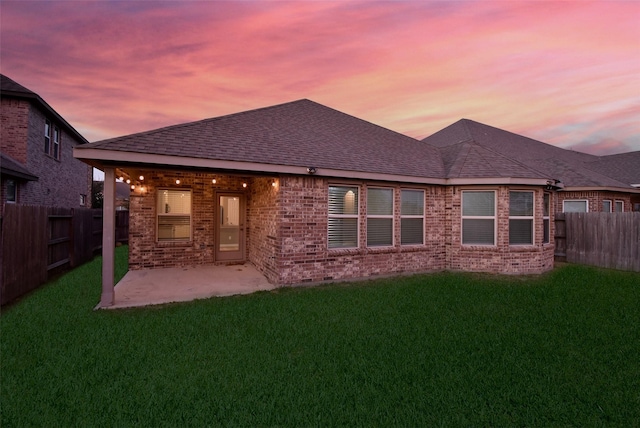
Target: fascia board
x=601, y=189
x=97, y=157
x=497, y=181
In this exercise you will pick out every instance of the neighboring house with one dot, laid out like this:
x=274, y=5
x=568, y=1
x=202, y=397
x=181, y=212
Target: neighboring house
x=586, y=182
x=123, y=190
x=36, y=148
x=309, y=194
x=624, y=167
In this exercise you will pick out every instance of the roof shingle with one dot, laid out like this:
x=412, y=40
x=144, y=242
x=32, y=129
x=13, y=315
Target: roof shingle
x=300, y=133
x=570, y=167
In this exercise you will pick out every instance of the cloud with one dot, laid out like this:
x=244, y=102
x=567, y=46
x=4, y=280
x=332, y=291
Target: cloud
x=565, y=71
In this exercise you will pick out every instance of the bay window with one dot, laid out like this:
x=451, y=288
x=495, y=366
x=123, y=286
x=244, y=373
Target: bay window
x=521, y=218
x=478, y=217
x=546, y=225
x=343, y=217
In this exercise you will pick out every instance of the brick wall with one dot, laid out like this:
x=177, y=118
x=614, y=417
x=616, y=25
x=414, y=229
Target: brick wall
x=60, y=182
x=305, y=253
x=260, y=227
x=287, y=231
x=595, y=199
x=501, y=258
x=263, y=212
x=14, y=127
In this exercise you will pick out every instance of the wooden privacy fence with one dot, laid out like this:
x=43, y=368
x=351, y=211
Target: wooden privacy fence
x=35, y=242
x=610, y=240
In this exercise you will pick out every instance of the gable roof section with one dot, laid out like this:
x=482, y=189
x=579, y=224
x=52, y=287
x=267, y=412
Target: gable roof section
x=283, y=138
x=570, y=167
x=12, y=89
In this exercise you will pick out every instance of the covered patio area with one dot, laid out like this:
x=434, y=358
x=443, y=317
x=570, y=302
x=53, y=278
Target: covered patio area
x=159, y=286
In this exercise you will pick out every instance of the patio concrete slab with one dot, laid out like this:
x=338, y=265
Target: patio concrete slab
x=158, y=286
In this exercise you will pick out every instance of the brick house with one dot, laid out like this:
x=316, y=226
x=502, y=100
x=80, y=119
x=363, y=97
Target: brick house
x=309, y=194
x=36, y=149
x=586, y=183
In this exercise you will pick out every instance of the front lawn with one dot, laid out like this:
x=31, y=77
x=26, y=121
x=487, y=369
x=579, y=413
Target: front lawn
x=561, y=349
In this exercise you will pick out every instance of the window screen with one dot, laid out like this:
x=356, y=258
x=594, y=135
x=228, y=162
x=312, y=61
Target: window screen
x=520, y=218
x=478, y=217
x=343, y=217
x=379, y=217
x=412, y=217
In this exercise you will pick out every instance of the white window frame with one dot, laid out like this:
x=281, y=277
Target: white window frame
x=47, y=136
x=586, y=202
x=531, y=217
x=381, y=216
x=494, y=217
x=55, y=149
x=546, y=217
x=169, y=214
x=607, y=201
x=355, y=216
x=407, y=217
x=615, y=205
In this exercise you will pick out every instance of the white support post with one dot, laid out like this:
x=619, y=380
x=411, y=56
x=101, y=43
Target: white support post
x=108, y=238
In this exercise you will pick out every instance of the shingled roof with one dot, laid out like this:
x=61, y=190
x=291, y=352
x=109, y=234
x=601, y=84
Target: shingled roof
x=623, y=167
x=13, y=168
x=573, y=169
x=296, y=134
x=9, y=88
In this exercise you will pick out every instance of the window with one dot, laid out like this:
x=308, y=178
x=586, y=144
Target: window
x=174, y=215
x=12, y=191
x=546, y=225
x=619, y=206
x=56, y=142
x=47, y=137
x=478, y=217
x=520, y=218
x=379, y=217
x=412, y=217
x=343, y=217
x=575, y=206
x=606, y=206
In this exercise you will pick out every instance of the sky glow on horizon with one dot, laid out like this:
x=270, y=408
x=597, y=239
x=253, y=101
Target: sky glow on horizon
x=566, y=73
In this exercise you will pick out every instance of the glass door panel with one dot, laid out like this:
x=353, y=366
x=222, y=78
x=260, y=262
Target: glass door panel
x=230, y=228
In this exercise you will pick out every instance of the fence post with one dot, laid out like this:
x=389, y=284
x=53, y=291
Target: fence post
x=72, y=241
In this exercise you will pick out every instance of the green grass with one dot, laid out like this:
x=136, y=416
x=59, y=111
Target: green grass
x=561, y=349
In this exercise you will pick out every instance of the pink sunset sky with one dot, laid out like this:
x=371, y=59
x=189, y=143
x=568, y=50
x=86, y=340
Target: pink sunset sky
x=566, y=73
